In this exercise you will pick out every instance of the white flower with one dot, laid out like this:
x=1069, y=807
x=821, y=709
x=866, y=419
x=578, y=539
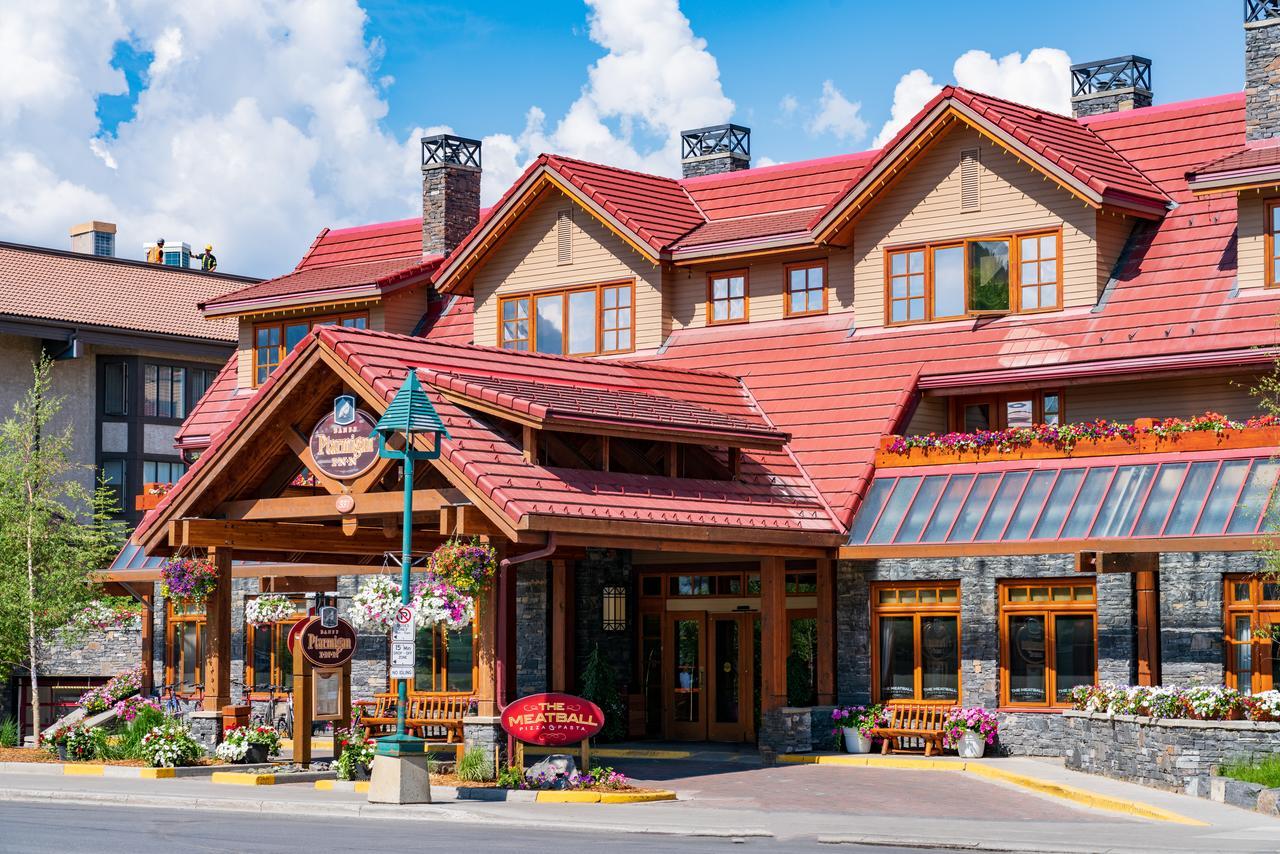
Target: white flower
x=268, y=608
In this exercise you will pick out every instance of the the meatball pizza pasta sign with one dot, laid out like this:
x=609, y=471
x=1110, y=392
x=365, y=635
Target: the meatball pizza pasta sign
x=552, y=719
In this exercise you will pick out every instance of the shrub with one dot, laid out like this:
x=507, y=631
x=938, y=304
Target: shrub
x=1265, y=771
x=169, y=745
x=82, y=743
x=475, y=766
x=600, y=686
x=236, y=742
x=8, y=732
x=512, y=777
x=357, y=750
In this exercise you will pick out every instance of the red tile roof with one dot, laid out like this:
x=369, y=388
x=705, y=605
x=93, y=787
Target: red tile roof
x=761, y=225
x=219, y=406
x=774, y=189
x=71, y=287
x=330, y=281
x=1259, y=156
x=376, y=241
x=449, y=320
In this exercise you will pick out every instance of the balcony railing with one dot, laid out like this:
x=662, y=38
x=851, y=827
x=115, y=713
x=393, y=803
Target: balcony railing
x=1108, y=75
x=1261, y=10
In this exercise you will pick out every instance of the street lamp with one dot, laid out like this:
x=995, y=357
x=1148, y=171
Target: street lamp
x=402, y=757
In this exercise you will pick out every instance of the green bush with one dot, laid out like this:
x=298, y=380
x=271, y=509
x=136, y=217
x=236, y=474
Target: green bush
x=1265, y=771
x=511, y=777
x=475, y=767
x=127, y=740
x=8, y=733
x=600, y=686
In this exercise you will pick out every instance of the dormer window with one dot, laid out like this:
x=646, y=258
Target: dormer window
x=727, y=297
x=806, y=288
x=1016, y=273
x=583, y=321
x=273, y=341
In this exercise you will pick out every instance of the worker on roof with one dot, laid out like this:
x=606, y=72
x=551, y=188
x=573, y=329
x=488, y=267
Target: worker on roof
x=208, y=262
x=155, y=255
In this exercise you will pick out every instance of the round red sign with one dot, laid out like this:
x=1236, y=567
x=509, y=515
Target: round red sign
x=327, y=646
x=552, y=719
x=344, y=451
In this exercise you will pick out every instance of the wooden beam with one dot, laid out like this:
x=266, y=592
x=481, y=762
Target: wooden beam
x=217, y=660
x=287, y=537
x=605, y=541
x=298, y=583
x=305, y=507
x=148, y=644
x=826, y=651
x=561, y=626
x=773, y=635
x=486, y=686
x=1147, y=605
x=466, y=520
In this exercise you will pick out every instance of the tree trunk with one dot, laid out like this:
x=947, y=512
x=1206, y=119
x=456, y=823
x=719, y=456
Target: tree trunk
x=33, y=665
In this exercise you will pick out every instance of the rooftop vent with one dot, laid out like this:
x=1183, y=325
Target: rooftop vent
x=450, y=191
x=1110, y=85
x=715, y=149
x=94, y=238
x=1261, y=10
x=1261, y=69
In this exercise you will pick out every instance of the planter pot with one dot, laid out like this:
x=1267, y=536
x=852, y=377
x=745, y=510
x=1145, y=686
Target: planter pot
x=255, y=755
x=360, y=772
x=854, y=742
x=62, y=752
x=971, y=745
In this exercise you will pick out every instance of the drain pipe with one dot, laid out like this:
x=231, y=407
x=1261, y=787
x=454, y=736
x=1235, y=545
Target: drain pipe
x=506, y=577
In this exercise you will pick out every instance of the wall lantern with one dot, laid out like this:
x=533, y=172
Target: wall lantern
x=615, y=609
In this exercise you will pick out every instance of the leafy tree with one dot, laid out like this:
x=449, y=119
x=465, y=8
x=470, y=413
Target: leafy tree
x=54, y=533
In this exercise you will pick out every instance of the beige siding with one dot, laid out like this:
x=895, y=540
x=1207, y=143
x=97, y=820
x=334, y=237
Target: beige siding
x=1174, y=398
x=930, y=417
x=924, y=205
x=399, y=313
x=1113, y=233
x=1251, y=250
x=527, y=260
x=766, y=285
x=244, y=355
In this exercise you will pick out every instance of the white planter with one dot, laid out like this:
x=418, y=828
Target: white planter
x=971, y=745
x=854, y=742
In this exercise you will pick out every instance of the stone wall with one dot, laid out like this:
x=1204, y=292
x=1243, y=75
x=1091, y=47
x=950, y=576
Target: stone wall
x=786, y=730
x=1191, y=614
x=94, y=653
x=1113, y=101
x=450, y=205
x=369, y=667
x=1262, y=79
x=532, y=615
x=1166, y=754
x=602, y=568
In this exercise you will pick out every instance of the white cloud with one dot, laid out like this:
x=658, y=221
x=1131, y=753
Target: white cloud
x=1041, y=80
x=788, y=106
x=838, y=116
x=264, y=121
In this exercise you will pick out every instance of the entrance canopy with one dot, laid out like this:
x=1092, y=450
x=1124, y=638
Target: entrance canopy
x=1200, y=501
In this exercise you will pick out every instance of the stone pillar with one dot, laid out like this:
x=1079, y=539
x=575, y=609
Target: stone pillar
x=1262, y=78
x=217, y=662
x=206, y=728
x=485, y=733
x=531, y=629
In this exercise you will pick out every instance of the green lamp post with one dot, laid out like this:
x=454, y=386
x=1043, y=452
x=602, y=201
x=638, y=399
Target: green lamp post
x=409, y=414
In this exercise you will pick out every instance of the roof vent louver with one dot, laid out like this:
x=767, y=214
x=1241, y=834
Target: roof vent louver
x=970, y=181
x=564, y=236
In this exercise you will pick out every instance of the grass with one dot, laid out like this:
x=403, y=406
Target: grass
x=8, y=733
x=1265, y=771
x=475, y=767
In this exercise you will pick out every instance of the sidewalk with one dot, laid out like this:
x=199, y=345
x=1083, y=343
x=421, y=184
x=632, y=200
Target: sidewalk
x=829, y=803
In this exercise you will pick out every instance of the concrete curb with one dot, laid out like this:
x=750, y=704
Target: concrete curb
x=133, y=772
x=1054, y=789
x=357, y=786
x=242, y=778
x=604, y=797
x=957, y=844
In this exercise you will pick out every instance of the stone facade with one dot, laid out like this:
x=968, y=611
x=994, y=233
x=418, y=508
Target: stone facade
x=450, y=205
x=96, y=653
x=1112, y=101
x=531, y=628
x=1191, y=613
x=1166, y=754
x=1262, y=79
x=603, y=568
x=714, y=164
x=485, y=734
x=786, y=730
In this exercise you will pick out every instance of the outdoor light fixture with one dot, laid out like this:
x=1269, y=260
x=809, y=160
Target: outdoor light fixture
x=615, y=609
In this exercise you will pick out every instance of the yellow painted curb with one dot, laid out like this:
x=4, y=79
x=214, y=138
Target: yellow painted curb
x=84, y=770
x=1046, y=787
x=568, y=798
x=603, y=797
x=360, y=786
x=156, y=773
x=238, y=779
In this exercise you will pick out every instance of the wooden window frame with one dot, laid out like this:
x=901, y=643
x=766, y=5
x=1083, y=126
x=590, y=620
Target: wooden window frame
x=173, y=651
x=1049, y=611
x=599, y=288
x=440, y=651
x=916, y=611
x=277, y=677
x=999, y=402
x=1269, y=238
x=1256, y=608
x=1015, y=269
x=746, y=296
x=786, y=287
x=312, y=323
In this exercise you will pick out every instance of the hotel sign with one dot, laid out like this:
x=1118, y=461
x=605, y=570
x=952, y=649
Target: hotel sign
x=327, y=646
x=344, y=450
x=552, y=719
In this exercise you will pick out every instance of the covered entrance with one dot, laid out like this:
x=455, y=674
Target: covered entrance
x=710, y=676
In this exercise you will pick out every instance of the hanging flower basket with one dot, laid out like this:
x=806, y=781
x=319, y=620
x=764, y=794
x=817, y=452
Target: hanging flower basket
x=102, y=616
x=467, y=567
x=188, y=580
x=267, y=609
x=435, y=600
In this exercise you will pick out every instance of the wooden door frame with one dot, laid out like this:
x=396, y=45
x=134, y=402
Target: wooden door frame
x=684, y=730
x=744, y=729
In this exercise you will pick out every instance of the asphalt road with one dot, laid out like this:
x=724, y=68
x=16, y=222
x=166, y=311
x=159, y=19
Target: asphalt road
x=72, y=828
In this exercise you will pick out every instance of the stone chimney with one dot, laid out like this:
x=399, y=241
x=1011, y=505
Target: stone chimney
x=1261, y=69
x=94, y=238
x=450, y=191
x=715, y=149
x=1110, y=85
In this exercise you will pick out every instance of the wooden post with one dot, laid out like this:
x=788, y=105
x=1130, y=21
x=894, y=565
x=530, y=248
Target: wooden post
x=773, y=634
x=486, y=687
x=586, y=755
x=217, y=662
x=1148, y=607
x=826, y=687
x=561, y=626
x=345, y=721
x=509, y=667
x=148, y=652
x=302, y=689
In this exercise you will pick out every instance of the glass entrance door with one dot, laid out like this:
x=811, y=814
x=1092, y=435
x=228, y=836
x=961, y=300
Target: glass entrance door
x=730, y=697
x=686, y=676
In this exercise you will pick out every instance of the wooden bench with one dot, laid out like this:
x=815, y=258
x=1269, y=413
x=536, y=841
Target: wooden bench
x=433, y=717
x=912, y=720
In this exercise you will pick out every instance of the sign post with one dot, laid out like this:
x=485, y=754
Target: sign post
x=403, y=645
x=554, y=720
x=322, y=649
x=400, y=766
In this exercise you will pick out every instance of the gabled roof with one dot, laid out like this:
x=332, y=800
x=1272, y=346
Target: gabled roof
x=96, y=291
x=219, y=406
x=1257, y=163
x=373, y=242
x=331, y=283
x=1062, y=147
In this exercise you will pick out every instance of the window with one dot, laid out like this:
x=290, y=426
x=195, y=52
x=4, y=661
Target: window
x=115, y=388
x=1273, y=251
x=200, y=380
x=1003, y=411
x=806, y=289
x=1253, y=656
x=997, y=275
x=184, y=648
x=162, y=472
x=165, y=391
x=273, y=341
x=270, y=662
x=445, y=660
x=113, y=474
x=916, y=642
x=574, y=322
x=104, y=243
x=1048, y=641
x=727, y=297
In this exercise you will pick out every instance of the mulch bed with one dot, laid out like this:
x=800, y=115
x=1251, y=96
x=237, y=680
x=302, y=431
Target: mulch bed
x=28, y=754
